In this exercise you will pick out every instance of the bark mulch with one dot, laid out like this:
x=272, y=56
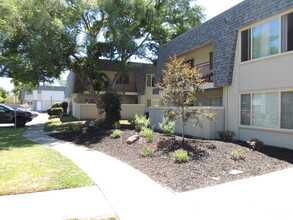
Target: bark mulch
x=210, y=160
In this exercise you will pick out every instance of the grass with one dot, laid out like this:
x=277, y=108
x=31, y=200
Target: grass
x=69, y=123
x=29, y=167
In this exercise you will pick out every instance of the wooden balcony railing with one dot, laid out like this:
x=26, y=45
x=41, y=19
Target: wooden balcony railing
x=206, y=71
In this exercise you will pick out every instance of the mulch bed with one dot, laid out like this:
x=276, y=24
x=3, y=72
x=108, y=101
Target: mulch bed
x=210, y=160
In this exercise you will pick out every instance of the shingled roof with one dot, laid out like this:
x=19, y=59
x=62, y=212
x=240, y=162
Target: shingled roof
x=139, y=69
x=222, y=32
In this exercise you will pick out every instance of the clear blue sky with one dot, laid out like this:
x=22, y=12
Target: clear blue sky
x=213, y=8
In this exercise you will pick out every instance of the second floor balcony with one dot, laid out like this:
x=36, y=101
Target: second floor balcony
x=127, y=87
x=206, y=69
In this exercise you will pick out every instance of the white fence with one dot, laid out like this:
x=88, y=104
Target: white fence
x=89, y=111
x=208, y=130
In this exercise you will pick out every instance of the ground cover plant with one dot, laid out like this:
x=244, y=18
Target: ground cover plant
x=29, y=167
x=66, y=124
x=210, y=161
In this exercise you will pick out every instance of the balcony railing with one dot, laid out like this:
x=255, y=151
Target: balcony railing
x=206, y=70
x=129, y=87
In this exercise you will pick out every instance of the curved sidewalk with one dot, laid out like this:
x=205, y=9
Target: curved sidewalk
x=134, y=196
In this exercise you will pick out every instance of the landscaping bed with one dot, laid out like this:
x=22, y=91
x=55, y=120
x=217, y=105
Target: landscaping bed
x=210, y=160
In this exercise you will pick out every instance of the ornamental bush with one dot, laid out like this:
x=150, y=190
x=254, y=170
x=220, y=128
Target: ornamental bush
x=56, y=111
x=226, y=135
x=141, y=121
x=148, y=133
x=115, y=134
x=181, y=156
x=111, y=102
x=168, y=126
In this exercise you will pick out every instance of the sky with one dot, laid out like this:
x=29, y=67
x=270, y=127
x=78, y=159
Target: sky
x=213, y=8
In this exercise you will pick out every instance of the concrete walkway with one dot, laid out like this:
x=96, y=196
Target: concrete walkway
x=131, y=195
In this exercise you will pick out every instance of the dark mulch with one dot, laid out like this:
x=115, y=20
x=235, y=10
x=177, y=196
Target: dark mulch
x=209, y=165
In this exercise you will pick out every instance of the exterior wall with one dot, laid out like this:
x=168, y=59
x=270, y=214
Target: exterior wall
x=271, y=73
x=204, y=97
x=128, y=111
x=208, y=130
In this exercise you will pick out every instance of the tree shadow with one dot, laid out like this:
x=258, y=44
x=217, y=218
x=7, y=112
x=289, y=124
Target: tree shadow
x=272, y=151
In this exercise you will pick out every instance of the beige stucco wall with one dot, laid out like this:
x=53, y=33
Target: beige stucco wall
x=128, y=111
x=271, y=73
x=200, y=54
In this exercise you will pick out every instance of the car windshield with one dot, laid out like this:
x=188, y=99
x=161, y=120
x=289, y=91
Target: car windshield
x=8, y=107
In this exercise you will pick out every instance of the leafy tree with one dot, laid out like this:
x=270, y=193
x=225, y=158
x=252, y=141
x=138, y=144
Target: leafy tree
x=41, y=38
x=180, y=85
x=3, y=94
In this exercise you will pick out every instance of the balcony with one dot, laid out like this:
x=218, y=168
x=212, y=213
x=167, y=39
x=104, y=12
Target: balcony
x=206, y=69
x=129, y=87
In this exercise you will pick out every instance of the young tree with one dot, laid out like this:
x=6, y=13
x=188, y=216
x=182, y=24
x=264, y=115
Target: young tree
x=180, y=85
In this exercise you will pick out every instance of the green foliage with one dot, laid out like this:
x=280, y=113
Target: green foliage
x=64, y=105
x=141, y=121
x=148, y=133
x=238, y=155
x=115, y=134
x=56, y=105
x=3, y=95
x=148, y=151
x=116, y=125
x=180, y=84
x=168, y=126
x=111, y=102
x=181, y=156
x=256, y=144
x=226, y=135
x=58, y=111
x=68, y=119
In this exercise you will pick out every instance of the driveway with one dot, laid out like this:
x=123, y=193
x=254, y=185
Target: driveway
x=40, y=119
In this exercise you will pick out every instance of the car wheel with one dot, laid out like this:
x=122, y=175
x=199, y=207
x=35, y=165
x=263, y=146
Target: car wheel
x=20, y=122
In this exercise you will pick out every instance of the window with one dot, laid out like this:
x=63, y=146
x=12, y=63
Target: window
x=123, y=80
x=269, y=110
x=266, y=38
x=150, y=81
x=216, y=101
x=287, y=110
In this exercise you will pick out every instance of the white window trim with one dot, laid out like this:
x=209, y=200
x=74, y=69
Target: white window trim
x=256, y=24
x=279, y=129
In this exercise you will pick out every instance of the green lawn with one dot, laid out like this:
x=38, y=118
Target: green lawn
x=69, y=123
x=29, y=167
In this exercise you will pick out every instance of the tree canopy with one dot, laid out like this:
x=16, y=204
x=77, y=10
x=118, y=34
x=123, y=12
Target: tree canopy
x=41, y=38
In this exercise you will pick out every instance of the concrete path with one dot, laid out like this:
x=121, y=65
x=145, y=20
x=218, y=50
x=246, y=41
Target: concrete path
x=134, y=196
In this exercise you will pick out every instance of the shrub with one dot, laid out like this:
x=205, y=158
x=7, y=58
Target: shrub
x=148, y=133
x=226, y=135
x=238, y=155
x=115, y=134
x=141, y=122
x=116, y=125
x=148, y=151
x=56, y=105
x=255, y=144
x=64, y=105
x=56, y=111
x=181, y=156
x=111, y=102
x=168, y=126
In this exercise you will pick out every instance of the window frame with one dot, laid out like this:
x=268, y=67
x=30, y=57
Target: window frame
x=152, y=80
x=279, y=128
x=281, y=49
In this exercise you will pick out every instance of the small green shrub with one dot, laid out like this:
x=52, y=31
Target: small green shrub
x=57, y=105
x=115, y=134
x=141, y=121
x=56, y=111
x=255, y=144
x=238, y=155
x=116, y=125
x=111, y=102
x=148, y=133
x=226, y=135
x=148, y=151
x=181, y=156
x=168, y=126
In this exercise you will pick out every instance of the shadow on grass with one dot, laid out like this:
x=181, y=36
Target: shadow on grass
x=12, y=138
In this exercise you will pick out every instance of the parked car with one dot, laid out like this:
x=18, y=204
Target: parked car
x=7, y=115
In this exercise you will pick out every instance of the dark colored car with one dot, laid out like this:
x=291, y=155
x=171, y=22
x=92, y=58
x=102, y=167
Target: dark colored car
x=7, y=115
